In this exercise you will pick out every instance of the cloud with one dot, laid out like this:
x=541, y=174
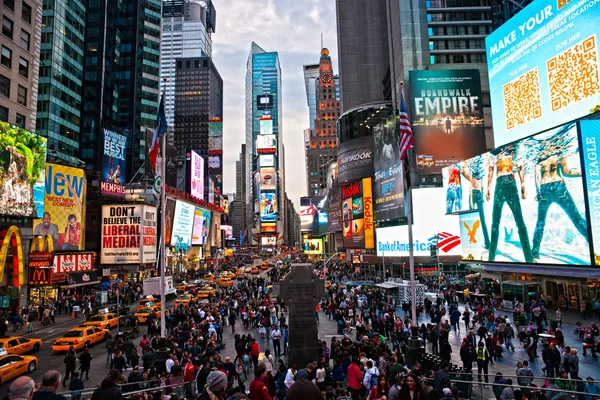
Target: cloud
x=292, y=28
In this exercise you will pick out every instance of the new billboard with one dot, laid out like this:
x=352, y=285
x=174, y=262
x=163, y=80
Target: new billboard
x=388, y=177
x=334, y=199
x=447, y=117
x=22, y=169
x=114, y=164
x=268, y=206
x=355, y=159
x=430, y=228
x=129, y=234
x=268, y=178
x=529, y=177
x=313, y=246
x=196, y=175
x=266, y=144
x=183, y=223
x=64, y=208
x=543, y=67
x=358, y=229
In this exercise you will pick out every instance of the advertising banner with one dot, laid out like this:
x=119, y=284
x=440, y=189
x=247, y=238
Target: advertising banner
x=268, y=241
x=389, y=177
x=205, y=225
x=22, y=170
x=266, y=126
x=196, y=175
x=214, y=162
x=64, y=209
x=313, y=246
x=266, y=144
x=129, y=234
x=357, y=215
x=543, y=67
x=430, y=228
x=334, y=199
x=471, y=237
x=228, y=229
x=355, y=159
x=268, y=178
x=198, y=225
x=40, y=276
x=590, y=139
x=215, y=128
x=211, y=191
x=264, y=101
x=215, y=145
x=183, y=223
x=76, y=262
x=169, y=214
x=268, y=227
x=268, y=206
x=447, y=117
x=267, y=160
x=528, y=176
x=114, y=164
x=313, y=214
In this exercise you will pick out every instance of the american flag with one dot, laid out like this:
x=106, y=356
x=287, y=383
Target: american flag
x=406, y=134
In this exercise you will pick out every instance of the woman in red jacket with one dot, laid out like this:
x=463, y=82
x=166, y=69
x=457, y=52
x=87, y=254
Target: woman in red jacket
x=380, y=390
x=354, y=378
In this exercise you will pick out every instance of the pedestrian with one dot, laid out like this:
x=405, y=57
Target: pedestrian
x=276, y=336
x=85, y=362
x=559, y=317
x=258, y=389
x=110, y=348
x=483, y=360
x=49, y=387
x=498, y=385
x=467, y=355
x=109, y=388
x=525, y=375
x=70, y=362
x=119, y=362
x=76, y=386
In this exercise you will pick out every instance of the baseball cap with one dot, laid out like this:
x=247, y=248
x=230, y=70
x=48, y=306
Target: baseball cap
x=447, y=392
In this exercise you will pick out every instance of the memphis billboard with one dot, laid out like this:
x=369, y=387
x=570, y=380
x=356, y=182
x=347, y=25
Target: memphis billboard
x=543, y=67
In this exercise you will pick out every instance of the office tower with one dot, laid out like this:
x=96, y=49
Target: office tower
x=363, y=50
x=321, y=146
x=263, y=108
x=187, y=29
x=61, y=77
x=240, y=188
x=21, y=33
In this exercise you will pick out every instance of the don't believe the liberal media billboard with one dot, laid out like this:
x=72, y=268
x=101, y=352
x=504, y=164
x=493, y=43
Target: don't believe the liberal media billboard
x=543, y=67
x=447, y=117
x=128, y=234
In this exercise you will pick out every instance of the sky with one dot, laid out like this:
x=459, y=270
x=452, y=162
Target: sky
x=293, y=29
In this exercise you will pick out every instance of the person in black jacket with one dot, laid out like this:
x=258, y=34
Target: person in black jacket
x=445, y=351
x=76, y=386
x=467, y=355
x=109, y=388
x=50, y=384
x=85, y=362
x=70, y=364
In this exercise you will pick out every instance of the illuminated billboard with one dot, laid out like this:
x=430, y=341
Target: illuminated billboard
x=268, y=241
x=268, y=178
x=268, y=206
x=214, y=162
x=196, y=175
x=264, y=101
x=267, y=160
x=590, y=138
x=334, y=195
x=313, y=214
x=114, y=164
x=266, y=144
x=447, y=117
x=129, y=234
x=543, y=67
x=183, y=224
x=513, y=190
x=215, y=145
x=430, y=228
x=357, y=215
x=266, y=126
x=215, y=128
x=198, y=225
x=313, y=246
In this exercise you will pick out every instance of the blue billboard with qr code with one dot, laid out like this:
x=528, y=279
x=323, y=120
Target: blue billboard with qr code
x=543, y=67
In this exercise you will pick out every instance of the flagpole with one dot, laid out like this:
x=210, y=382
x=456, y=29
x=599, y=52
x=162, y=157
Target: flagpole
x=163, y=254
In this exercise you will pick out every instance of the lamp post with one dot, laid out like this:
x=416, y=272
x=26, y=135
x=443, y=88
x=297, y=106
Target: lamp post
x=329, y=259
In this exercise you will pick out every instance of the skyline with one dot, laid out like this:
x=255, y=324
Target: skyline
x=301, y=46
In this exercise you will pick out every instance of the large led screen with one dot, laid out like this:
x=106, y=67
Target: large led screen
x=196, y=175
x=114, y=164
x=266, y=144
x=529, y=197
x=268, y=178
x=543, y=67
x=313, y=214
x=268, y=206
x=313, y=246
x=183, y=224
x=590, y=139
x=430, y=228
x=389, y=179
x=334, y=196
x=447, y=117
x=357, y=215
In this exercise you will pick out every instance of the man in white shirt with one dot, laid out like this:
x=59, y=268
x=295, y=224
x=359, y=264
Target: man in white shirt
x=169, y=364
x=289, y=377
x=276, y=335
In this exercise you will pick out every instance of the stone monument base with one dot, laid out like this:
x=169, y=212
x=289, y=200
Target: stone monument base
x=301, y=357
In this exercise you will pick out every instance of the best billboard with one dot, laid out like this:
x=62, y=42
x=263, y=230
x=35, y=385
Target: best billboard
x=447, y=117
x=183, y=224
x=313, y=246
x=529, y=177
x=358, y=229
x=129, y=234
x=430, y=227
x=64, y=215
x=113, y=164
x=543, y=67
x=389, y=179
x=334, y=199
x=268, y=206
x=22, y=169
x=355, y=159
x=196, y=175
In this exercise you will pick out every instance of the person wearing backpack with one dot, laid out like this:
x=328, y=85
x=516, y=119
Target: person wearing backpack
x=370, y=378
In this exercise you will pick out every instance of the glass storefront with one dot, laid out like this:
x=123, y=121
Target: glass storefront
x=40, y=294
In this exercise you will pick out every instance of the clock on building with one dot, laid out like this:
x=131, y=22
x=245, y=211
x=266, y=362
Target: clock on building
x=326, y=77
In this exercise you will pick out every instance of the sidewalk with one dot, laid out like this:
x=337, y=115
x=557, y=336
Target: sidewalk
x=569, y=318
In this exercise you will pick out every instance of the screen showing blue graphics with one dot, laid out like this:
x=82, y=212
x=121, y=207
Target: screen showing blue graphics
x=113, y=164
x=590, y=138
x=529, y=200
x=268, y=206
x=183, y=223
x=471, y=237
x=543, y=67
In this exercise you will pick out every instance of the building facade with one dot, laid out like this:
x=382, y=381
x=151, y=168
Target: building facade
x=20, y=62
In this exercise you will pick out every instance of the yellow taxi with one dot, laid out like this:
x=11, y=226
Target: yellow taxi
x=148, y=302
x=206, y=292
x=241, y=275
x=182, y=287
x=18, y=345
x=183, y=299
x=327, y=284
x=107, y=321
x=240, y=271
x=143, y=314
x=209, y=277
x=229, y=274
x=264, y=266
x=224, y=282
x=248, y=269
x=254, y=270
x=12, y=366
x=80, y=337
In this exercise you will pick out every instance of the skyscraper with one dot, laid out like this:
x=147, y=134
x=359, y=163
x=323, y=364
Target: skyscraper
x=61, y=77
x=187, y=29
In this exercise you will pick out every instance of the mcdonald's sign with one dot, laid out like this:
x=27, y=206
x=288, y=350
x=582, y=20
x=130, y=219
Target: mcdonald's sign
x=41, y=252
x=40, y=276
x=12, y=237
x=42, y=243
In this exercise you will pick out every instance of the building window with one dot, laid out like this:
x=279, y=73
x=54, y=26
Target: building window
x=25, y=40
x=24, y=68
x=20, y=121
x=9, y=4
x=26, y=13
x=3, y=113
x=7, y=27
x=6, y=58
x=4, y=86
x=22, y=95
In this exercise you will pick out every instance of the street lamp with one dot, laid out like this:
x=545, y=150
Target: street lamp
x=325, y=263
